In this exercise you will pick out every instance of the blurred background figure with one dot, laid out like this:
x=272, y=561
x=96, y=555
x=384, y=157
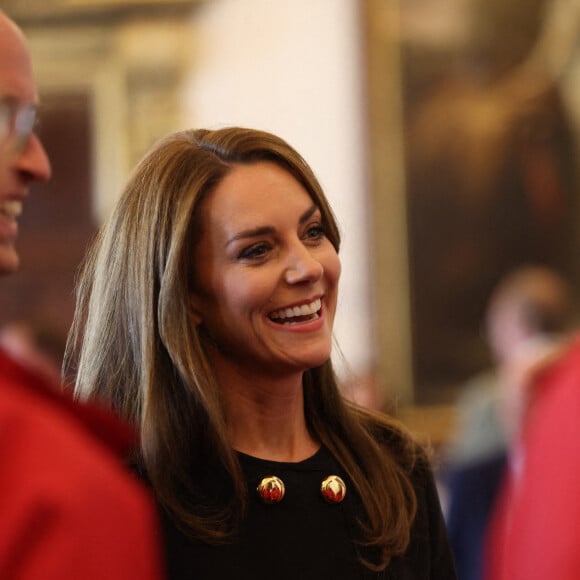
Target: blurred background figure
x=527, y=320
x=534, y=531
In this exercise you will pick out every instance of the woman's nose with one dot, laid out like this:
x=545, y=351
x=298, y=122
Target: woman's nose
x=302, y=266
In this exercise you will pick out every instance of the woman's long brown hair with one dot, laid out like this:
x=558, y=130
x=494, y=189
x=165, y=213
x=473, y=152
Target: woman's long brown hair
x=134, y=344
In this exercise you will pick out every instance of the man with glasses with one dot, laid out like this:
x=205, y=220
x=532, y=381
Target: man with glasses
x=23, y=159
x=68, y=508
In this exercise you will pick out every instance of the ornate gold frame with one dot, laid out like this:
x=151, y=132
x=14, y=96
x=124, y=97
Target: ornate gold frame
x=387, y=186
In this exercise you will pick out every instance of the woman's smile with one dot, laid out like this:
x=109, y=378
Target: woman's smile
x=297, y=314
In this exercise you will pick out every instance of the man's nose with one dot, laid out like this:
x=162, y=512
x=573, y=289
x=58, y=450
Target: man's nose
x=33, y=163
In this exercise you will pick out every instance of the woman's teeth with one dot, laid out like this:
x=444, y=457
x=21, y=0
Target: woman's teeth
x=10, y=209
x=297, y=313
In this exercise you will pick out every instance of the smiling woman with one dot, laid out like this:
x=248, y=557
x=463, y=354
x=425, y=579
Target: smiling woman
x=265, y=288
x=205, y=315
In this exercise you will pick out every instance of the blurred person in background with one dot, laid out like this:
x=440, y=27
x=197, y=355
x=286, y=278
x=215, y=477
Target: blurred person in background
x=528, y=318
x=534, y=531
x=69, y=509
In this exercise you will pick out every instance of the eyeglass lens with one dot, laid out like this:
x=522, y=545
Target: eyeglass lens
x=17, y=123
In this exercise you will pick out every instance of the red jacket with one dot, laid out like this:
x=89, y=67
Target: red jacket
x=68, y=508
x=535, y=533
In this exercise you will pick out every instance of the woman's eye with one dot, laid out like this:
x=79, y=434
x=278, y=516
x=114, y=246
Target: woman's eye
x=254, y=252
x=315, y=232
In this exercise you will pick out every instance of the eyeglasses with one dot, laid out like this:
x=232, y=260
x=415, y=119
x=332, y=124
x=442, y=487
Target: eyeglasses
x=17, y=122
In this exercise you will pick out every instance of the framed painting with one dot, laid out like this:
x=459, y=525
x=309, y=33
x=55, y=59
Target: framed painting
x=474, y=131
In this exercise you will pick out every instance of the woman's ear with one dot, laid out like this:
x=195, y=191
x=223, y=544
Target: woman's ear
x=196, y=308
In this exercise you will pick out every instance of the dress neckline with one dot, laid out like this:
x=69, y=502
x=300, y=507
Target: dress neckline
x=315, y=461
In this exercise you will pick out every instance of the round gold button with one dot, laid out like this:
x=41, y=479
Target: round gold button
x=271, y=489
x=333, y=489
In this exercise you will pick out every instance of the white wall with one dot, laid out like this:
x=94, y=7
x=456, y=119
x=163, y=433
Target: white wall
x=295, y=68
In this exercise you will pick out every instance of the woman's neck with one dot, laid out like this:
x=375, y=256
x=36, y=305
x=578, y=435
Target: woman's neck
x=265, y=417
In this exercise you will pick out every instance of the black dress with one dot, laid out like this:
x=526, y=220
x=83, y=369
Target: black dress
x=305, y=538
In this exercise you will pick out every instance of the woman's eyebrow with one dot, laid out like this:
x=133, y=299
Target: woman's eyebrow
x=268, y=230
x=252, y=233
x=308, y=214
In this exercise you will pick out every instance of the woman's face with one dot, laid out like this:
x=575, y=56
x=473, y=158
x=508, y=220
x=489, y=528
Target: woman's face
x=266, y=274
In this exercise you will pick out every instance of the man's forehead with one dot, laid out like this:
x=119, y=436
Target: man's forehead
x=8, y=28
x=13, y=46
x=16, y=75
